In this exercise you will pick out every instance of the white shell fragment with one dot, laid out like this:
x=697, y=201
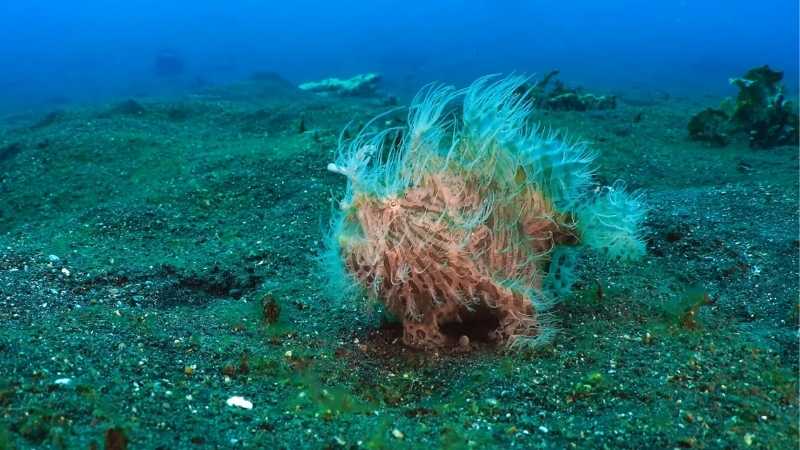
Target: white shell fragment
x=240, y=402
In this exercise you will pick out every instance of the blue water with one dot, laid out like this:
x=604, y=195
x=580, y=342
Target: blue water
x=53, y=51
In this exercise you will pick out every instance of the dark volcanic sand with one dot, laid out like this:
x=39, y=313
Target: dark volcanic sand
x=174, y=225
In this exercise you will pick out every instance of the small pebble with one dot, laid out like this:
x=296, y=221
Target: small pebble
x=239, y=402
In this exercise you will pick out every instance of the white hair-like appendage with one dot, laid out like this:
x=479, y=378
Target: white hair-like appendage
x=491, y=178
x=612, y=222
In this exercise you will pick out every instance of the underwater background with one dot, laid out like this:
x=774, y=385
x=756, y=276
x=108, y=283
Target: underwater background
x=94, y=50
x=169, y=173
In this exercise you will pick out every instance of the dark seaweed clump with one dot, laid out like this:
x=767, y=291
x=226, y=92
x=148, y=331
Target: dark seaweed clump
x=761, y=112
x=710, y=125
x=557, y=96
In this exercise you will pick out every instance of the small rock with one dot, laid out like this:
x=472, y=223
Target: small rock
x=398, y=434
x=63, y=381
x=53, y=258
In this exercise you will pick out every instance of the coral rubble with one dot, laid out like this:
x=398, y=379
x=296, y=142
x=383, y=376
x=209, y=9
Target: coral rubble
x=362, y=85
x=477, y=222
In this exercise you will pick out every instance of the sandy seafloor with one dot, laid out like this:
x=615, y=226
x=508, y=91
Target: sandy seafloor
x=139, y=245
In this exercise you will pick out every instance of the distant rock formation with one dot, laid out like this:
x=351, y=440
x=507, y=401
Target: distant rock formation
x=168, y=64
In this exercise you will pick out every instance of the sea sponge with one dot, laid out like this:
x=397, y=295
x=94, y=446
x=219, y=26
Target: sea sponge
x=477, y=222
